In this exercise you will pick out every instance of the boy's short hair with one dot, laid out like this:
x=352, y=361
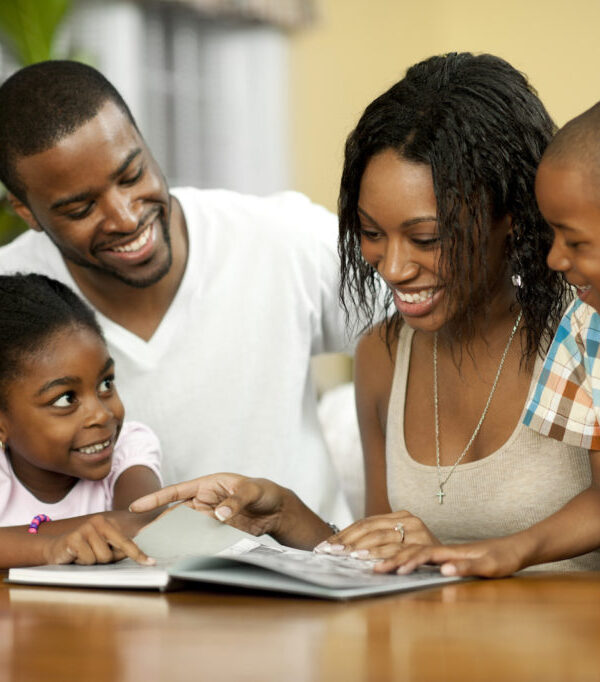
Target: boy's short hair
x=578, y=140
x=43, y=103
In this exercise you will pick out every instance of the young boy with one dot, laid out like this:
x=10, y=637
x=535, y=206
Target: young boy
x=566, y=402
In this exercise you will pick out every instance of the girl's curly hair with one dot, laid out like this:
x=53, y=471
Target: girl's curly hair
x=480, y=126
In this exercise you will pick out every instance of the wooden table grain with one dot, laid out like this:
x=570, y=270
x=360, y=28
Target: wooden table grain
x=535, y=628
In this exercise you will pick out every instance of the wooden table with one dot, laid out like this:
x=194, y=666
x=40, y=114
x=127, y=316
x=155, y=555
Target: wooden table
x=538, y=628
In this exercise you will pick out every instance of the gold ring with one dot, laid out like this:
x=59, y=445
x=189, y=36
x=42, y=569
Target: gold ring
x=400, y=528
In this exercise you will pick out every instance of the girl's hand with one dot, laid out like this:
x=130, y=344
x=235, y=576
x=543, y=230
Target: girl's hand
x=97, y=541
x=488, y=558
x=253, y=505
x=380, y=537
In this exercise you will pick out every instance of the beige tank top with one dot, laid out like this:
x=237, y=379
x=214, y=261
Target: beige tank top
x=530, y=477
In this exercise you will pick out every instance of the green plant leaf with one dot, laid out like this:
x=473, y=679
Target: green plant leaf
x=10, y=223
x=29, y=27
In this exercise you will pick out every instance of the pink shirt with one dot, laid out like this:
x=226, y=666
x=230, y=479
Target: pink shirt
x=136, y=445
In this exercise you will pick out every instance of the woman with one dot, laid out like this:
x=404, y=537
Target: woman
x=437, y=207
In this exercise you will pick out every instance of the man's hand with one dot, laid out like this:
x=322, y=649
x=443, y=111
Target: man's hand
x=253, y=505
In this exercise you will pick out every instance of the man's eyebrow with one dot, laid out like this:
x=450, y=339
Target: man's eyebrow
x=83, y=196
x=406, y=223
x=128, y=159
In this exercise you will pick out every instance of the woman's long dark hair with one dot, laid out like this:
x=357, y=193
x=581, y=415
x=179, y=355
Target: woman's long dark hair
x=480, y=126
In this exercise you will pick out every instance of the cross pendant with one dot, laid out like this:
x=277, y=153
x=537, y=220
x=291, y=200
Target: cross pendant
x=440, y=493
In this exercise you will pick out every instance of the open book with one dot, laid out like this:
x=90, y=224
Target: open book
x=192, y=548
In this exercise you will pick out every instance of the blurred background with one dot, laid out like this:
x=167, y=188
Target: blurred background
x=259, y=95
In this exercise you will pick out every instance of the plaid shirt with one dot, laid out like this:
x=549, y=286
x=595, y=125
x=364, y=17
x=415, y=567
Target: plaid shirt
x=566, y=401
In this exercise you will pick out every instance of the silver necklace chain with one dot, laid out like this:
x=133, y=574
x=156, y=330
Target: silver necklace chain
x=440, y=493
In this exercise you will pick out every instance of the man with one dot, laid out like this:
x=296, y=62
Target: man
x=211, y=302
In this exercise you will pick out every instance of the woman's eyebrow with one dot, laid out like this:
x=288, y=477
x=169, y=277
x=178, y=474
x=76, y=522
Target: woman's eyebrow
x=405, y=223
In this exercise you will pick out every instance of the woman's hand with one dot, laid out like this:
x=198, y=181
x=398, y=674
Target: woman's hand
x=488, y=559
x=254, y=505
x=97, y=541
x=379, y=537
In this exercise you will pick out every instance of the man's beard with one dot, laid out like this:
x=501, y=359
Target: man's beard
x=136, y=283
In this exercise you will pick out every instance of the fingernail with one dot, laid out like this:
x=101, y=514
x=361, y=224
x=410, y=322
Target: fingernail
x=448, y=569
x=336, y=549
x=322, y=548
x=223, y=513
x=325, y=548
x=403, y=570
x=149, y=561
x=360, y=554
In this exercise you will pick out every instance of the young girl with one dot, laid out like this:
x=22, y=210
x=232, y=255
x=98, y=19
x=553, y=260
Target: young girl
x=437, y=207
x=66, y=457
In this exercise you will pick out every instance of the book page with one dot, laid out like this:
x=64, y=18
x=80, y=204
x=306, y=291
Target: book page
x=182, y=532
x=333, y=571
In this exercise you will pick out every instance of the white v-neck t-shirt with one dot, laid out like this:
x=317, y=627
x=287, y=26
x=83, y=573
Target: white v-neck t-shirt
x=225, y=380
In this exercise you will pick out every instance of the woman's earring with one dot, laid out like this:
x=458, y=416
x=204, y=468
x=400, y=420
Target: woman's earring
x=1, y=445
x=516, y=266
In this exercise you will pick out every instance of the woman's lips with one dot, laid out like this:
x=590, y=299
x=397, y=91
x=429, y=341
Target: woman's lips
x=421, y=304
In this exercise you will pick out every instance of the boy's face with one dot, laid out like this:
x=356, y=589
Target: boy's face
x=569, y=198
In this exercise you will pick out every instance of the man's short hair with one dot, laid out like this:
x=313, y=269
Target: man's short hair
x=43, y=103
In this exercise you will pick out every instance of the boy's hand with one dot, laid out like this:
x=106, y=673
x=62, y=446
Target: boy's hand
x=97, y=541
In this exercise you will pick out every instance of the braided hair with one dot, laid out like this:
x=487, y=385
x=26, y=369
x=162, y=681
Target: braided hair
x=480, y=127
x=32, y=309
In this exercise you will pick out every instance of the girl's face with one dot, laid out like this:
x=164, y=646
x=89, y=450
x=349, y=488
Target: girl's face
x=399, y=238
x=63, y=413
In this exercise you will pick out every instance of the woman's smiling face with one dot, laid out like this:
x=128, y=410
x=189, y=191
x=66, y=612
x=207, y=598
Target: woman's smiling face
x=399, y=236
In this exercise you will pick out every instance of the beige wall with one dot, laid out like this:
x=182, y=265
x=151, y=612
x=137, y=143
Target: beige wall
x=358, y=48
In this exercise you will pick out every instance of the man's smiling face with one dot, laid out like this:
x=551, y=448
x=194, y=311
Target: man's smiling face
x=100, y=196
